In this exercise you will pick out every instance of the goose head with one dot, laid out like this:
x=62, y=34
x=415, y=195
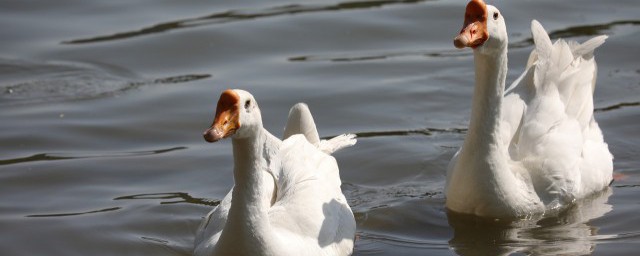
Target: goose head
x=484, y=29
x=237, y=116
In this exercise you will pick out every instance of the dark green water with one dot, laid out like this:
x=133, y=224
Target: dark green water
x=103, y=103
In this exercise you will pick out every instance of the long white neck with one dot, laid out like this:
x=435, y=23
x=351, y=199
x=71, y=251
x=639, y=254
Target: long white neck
x=484, y=127
x=481, y=181
x=253, y=193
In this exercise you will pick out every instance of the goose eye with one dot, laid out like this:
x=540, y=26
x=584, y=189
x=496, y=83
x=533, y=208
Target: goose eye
x=495, y=15
x=247, y=104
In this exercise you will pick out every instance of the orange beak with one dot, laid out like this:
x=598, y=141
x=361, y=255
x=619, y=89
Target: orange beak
x=227, y=119
x=474, y=31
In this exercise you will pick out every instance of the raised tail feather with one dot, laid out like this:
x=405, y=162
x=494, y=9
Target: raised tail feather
x=300, y=121
x=569, y=68
x=336, y=143
x=586, y=49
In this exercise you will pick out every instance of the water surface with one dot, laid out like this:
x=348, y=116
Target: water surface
x=103, y=104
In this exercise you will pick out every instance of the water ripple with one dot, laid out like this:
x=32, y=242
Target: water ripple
x=415, y=243
x=50, y=81
x=180, y=78
x=239, y=15
x=577, y=31
x=55, y=157
x=617, y=106
x=350, y=57
x=425, y=132
x=73, y=213
x=180, y=196
x=363, y=198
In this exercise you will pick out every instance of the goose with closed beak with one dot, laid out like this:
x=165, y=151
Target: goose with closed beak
x=286, y=199
x=535, y=147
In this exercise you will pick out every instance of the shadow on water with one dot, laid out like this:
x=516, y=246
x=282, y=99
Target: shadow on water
x=240, y=15
x=567, y=233
x=55, y=157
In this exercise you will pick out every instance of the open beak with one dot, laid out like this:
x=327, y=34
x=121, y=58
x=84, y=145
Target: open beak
x=227, y=120
x=474, y=31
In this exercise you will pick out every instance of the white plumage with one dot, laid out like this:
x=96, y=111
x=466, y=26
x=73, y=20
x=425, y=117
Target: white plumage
x=535, y=147
x=287, y=198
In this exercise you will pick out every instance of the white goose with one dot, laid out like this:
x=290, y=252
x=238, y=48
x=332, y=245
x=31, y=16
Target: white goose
x=287, y=198
x=536, y=148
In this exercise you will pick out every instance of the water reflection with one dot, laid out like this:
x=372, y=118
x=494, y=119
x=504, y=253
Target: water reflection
x=568, y=233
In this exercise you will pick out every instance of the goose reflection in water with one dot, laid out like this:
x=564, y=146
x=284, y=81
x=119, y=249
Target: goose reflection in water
x=565, y=233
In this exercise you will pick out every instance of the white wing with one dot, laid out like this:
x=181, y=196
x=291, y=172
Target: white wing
x=211, y=227
x=549, y=120
x=310, y=203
